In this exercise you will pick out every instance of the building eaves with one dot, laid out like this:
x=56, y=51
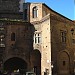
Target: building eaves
x=56, y=12
x=50, y=9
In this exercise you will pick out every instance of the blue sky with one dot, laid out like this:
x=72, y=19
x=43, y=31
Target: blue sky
x=64, y=7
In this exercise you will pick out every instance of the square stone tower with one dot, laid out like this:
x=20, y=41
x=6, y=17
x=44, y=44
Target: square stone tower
x=11, y=6
x=12, y=9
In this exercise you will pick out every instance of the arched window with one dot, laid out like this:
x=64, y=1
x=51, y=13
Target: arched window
x=12, y=36
x=35, y=12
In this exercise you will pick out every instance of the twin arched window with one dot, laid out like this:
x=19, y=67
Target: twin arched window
x=35, y=12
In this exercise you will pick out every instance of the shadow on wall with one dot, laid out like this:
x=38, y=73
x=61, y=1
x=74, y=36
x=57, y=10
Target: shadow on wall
x=14, y=63
x=35, y=59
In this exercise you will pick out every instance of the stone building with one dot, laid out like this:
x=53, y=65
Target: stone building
x=35, y=38
x=15, y=43
x=55, y=41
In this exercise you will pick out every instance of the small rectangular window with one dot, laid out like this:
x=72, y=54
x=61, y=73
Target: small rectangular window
x=37, y=38
x=64, y=63
x=12, y=36
x=63, y=36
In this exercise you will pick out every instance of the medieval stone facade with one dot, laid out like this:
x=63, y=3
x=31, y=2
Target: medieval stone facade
x=57, y=43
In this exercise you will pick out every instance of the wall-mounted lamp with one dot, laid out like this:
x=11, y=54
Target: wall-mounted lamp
x=72, y=31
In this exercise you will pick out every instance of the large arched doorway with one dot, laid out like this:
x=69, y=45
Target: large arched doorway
x=14, y=64
x=63, y=63
x=35, y=59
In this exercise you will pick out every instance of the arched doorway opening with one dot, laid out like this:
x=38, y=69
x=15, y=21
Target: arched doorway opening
x=35, y=59
x=15, y=64
x=63, y=63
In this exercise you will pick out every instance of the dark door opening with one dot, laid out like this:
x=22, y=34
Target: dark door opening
x=15, y=63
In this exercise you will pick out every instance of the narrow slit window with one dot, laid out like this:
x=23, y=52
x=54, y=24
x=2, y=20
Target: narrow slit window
x=12, y=36
x=63, y=36
x=64, y=63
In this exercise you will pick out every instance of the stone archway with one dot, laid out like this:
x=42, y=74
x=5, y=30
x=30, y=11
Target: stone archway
x=63, y=63
x=35, y=59
x=14, y=63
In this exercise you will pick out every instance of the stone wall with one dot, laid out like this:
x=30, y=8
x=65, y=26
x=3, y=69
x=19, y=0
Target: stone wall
x=12, y=9
x=8, y=6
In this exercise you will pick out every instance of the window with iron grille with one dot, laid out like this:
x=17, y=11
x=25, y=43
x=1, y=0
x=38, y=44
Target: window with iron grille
x=63, y=36
x=37, y=38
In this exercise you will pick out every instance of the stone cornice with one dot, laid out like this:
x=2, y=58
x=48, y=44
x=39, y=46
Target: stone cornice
x=61, y=19
x=13, y=22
